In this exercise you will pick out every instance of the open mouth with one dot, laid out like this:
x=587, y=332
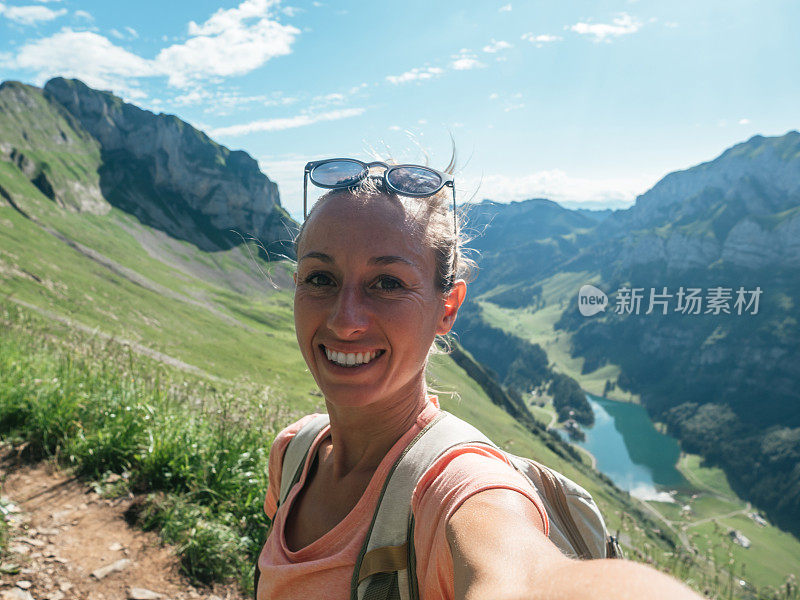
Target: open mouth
x=351, y=359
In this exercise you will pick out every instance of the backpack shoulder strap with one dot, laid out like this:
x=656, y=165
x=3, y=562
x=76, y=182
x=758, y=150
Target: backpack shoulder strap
x=296, y=452
x=294, y=458
x=388, y=549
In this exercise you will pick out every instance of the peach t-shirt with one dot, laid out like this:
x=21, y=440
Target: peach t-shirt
x=323, y=569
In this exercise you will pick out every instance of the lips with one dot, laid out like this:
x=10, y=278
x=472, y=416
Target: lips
x=351, y=359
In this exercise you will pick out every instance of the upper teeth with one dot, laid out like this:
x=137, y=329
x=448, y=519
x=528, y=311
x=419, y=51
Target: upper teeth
x=351, y=359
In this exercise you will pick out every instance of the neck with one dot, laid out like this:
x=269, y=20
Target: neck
x=361, y=436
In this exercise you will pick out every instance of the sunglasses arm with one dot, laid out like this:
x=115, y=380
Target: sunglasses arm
x=455, y=219
x=305, y=194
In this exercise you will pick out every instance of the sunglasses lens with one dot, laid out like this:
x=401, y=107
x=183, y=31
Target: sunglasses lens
x=414, y=180
x=337, y=173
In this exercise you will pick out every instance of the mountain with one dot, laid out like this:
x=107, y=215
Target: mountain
x=87, y=150
x=539, y=231
x=726, y=384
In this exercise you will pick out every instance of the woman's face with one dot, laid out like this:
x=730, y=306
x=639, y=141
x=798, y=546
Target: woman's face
x=366, y=307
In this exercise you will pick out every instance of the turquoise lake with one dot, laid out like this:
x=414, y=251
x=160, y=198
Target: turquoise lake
x=628, y=449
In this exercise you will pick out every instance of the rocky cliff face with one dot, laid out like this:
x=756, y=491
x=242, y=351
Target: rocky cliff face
x=764, y=171
x=739, y=208
x=170, y=174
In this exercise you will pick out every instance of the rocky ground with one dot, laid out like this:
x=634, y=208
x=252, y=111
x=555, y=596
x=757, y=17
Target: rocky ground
x=66, y=542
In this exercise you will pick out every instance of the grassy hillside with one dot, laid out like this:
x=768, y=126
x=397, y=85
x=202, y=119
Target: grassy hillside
x=49, y=147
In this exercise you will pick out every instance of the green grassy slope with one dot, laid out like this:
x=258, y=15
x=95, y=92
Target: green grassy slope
x=47, y=143
x=538, y=327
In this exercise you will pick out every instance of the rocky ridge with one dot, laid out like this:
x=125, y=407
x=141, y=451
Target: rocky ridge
x=740, y=208
x=88, y=150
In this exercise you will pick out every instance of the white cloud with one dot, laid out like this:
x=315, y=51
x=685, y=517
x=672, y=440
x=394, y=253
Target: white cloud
x=465, y=61
x=231, y=42
x=357, y=88
x=744, y=121
x=511, y=107
x=30, y=15
x=622, y=25
x=466, y=64
x=558, y=186
x=496, y=46
x=542, y=38
x=494, y=96
x=223, y=102
x=395, y=128
x=131, y=33
x=415, y=74
x=505, y=8
x=280, y=124
x=82, y=14
x=671, y=24
x=334, y=98
x=46, y=1
x=87, y=56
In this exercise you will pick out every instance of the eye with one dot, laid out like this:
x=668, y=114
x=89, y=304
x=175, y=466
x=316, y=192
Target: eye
x=318, y=280
x=388, y=284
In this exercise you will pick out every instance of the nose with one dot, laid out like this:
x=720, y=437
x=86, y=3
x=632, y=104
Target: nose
x=349, y=315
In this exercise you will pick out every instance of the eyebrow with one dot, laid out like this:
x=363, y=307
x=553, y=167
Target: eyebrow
x=387, y=260
x=319, y=256
x=378, y=260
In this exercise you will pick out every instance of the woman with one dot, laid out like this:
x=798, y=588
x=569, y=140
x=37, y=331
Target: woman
x=378, y=278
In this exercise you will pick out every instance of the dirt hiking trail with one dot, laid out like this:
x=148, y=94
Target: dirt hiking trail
x=66, y=542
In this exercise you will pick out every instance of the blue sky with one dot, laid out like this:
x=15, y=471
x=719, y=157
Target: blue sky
x=585, y=103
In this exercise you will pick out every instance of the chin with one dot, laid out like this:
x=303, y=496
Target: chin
x=351, y=397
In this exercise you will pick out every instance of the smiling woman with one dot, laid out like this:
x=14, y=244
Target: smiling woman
x=366, y=286
x=379, y=277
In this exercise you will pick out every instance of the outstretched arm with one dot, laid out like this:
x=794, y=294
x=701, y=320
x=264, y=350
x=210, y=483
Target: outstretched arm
x=500, y=553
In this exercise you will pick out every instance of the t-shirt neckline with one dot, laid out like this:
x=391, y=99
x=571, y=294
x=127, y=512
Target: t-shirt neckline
x=332, y=540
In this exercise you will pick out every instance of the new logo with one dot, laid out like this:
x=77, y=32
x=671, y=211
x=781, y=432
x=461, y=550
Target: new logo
x=591, y=300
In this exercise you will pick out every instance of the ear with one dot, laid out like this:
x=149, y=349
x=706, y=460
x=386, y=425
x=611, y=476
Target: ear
x=452, y=303
x=294, y=277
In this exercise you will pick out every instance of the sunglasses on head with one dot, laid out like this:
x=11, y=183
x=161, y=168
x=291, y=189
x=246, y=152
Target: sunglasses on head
x=407, y=180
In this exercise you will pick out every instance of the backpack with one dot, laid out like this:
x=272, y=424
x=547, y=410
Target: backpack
x=386, y=566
